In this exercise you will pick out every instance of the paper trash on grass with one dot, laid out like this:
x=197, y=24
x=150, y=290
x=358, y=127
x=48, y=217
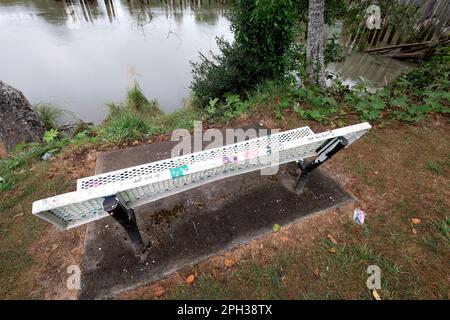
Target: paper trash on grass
x=359, y=216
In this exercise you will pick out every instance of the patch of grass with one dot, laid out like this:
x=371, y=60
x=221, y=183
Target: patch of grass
x=125, y=126
x=11, y=202
x=19, y=229
x=438, y=239
x=395, y=237
x=442, y=230
x=52, y=116
x=205, y=287
x=6, y=183
x=434, y=167
x=181, y=119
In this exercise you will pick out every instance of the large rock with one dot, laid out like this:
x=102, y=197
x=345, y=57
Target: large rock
x=19, y=122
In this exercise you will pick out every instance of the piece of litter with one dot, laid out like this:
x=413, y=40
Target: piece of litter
x=1, y=179
x=333, y=240
x=229, y=263
x=359, y=216
x=47, y=156
x=190, y=279
x=415, y=220
x=375, y=294
x=414, y=231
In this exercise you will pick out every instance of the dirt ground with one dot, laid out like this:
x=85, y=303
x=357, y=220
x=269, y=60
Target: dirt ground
x=399, y=174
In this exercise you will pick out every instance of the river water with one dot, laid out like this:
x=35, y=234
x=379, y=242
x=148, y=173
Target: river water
x=82, y=54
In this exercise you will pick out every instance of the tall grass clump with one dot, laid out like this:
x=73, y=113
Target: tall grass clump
x=51, y=116
x=137, y=102
x=125, y=126
x=132, y=120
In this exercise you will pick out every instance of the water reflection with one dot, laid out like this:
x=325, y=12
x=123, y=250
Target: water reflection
x=377, y=71
x=78, y=53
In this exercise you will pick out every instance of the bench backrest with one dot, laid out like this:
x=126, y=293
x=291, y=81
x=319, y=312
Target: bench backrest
x=142, y=184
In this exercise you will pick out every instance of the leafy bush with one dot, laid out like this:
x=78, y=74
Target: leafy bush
x=231, y=108
x=264, y=33
x=50, y=136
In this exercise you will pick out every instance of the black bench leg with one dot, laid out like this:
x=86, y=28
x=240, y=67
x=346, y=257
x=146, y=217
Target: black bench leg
x=126, y=218
x=302, y=179
x=325, y=152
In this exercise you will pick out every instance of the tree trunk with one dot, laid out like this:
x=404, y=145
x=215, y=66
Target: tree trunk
x=315, y=67
x=19, y=122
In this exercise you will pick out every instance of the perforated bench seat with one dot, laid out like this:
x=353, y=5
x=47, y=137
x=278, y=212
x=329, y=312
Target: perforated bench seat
x=142, y=184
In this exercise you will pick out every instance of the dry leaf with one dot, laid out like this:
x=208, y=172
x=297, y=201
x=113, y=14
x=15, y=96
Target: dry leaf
x=415, y=220
x=333, y=240
x=375, y=294
x=135, y=143
x=414, y=231
x=159, y=291
x=190, y=279
x=332, y=250
x=229, y=263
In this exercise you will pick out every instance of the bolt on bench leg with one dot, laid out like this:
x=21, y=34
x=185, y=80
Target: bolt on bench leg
x=126, y=218
x=325, y=152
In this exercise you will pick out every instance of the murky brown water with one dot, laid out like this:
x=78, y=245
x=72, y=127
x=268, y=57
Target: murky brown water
x=81, y=54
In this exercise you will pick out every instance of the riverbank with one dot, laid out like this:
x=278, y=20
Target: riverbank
x=400, y=171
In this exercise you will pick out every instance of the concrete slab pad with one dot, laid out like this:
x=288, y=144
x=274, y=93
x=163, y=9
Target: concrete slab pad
x=186, y=228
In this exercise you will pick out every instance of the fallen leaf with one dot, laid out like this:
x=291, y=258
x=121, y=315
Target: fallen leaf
x=333, y=240
x=415, y=220
x=229, y=263
x=135, y=143
x=414, y=231
x=190, y=279
x=332, y=250
x=159, y=291
x=375, y=294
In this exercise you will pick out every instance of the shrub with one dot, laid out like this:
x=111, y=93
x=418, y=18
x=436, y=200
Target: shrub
x=264, y=33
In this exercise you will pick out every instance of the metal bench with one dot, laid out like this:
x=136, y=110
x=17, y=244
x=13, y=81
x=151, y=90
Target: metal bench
x=117, y=193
